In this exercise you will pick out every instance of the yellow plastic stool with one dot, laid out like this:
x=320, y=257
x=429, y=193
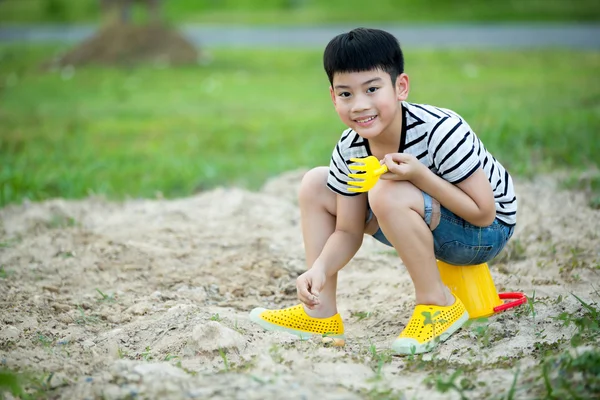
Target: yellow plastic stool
x=474, y=286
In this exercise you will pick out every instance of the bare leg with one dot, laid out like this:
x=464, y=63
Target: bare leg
x=318, y=214
x=399, y=208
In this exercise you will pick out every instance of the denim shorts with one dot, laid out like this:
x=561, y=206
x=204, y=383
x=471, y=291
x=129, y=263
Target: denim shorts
x=458, y=242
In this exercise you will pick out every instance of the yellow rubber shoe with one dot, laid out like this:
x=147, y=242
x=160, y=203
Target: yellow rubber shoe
x=294, y=320
x=430, y=325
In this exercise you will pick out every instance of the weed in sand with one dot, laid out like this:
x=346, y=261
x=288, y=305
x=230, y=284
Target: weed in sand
x=587, y=324
x=9, y=381
x=379, y=359
x=480, y=328
x=215, y=317
x=146, y=354
x=61, y=221
x=223, y=354
x=109, y=298
x=360, y=315
x=122, y=353
x=3, y=272
x=170, y=357
x=572, y=376
x=85, y=319
x=44, y=340
x=444, y=384
x=378, y=393
x=275, y=354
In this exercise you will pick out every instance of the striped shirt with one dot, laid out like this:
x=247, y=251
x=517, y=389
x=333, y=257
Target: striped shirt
x=441, y=140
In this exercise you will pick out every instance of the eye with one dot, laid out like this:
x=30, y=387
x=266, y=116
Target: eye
x=372, y=89
x=344, y=94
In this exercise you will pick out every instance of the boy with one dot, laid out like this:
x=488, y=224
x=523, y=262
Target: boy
x=445, y=196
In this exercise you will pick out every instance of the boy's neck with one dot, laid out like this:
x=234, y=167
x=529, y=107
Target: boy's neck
x=390, y=140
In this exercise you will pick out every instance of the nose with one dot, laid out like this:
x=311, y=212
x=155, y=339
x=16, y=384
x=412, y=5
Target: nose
x=360, y=104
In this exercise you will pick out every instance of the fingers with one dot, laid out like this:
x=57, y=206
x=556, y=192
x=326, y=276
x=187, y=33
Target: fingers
x=304, y=295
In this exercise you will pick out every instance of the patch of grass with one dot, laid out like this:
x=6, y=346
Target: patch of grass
x=572, y=375
x=275, y=353
x=314, y=12
x=44, y=340
x=252, y=114
x=360, y=315
x=10, y=382
x=109, y=298
x=147, y=354
x=379, y=359
x=451, y=383
x=587, y=322
x=61, y=221
x=84, y=319
x=589, y=183
x=223, y=354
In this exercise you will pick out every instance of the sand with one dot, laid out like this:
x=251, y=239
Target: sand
x=150, y=299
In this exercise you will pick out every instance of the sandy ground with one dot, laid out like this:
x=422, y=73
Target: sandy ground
x=150, y=299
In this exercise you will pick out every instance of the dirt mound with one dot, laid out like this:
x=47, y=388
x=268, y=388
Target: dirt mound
x=150, y=299
x=128, y=44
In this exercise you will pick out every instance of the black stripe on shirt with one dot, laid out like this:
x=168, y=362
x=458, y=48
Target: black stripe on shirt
x=337, y=167
x=508, y=202
x=358, y=141
x=453, y=150
x=434, y=129
x=485, y=161
x=491, y=172
x=446, y=114
x=506, y=213
x=417, y=140
x=418, y=121
x=342, y=193
x=497, y=184
x=471, y=172
x=337, y=179
x=458, y=164
x=346, y=136
x=426, y=110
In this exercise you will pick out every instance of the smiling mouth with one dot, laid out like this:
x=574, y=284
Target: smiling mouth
x=365, y=120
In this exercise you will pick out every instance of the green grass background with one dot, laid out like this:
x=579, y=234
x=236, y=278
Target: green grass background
x=317, y=11
x=252, y=114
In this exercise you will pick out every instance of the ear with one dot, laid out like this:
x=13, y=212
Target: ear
x=402, y=87
x=332, y=94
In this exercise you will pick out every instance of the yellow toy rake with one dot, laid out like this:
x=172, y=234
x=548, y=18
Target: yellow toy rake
x=369, y=172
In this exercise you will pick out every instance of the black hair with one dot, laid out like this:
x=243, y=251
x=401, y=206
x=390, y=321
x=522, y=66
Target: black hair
x=363, y=49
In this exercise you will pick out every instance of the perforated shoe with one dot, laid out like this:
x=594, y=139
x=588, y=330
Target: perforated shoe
x=294, y=320
x=430, y=325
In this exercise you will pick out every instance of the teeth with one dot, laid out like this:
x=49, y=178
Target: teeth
x=362, y=121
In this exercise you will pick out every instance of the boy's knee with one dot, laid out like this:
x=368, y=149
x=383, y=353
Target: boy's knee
x=392, y=196
x=313, y=181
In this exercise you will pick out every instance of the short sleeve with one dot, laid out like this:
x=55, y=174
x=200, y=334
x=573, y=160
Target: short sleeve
x=453, y=150
x=349, y=146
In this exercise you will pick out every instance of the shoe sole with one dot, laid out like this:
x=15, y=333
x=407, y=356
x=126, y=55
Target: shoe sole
x=255, y=317
x=407, y=346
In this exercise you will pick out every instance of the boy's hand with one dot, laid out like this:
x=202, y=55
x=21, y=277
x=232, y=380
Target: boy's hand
x=309, y=285
x=402, y=167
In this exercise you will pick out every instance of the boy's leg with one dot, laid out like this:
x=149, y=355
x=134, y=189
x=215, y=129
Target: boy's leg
x=318, y=216
x=399, y=208
x=318, y=210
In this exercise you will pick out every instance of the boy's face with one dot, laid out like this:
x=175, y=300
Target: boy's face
x=367, y=101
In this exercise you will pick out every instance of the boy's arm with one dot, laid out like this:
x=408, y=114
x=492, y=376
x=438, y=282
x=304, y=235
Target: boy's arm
x=339, y=249
x=471, y=199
